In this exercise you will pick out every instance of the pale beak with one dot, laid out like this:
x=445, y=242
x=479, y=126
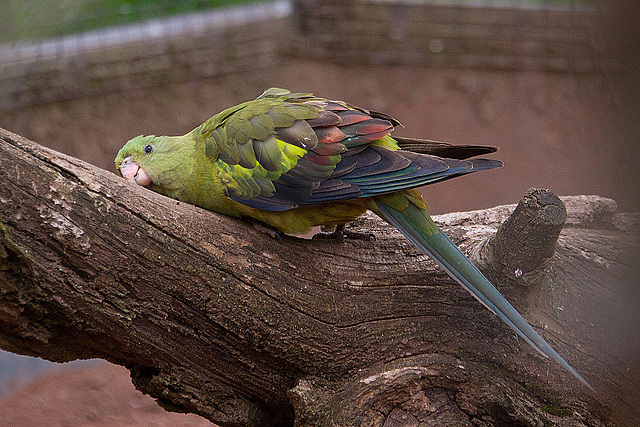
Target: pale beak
x=132, y=172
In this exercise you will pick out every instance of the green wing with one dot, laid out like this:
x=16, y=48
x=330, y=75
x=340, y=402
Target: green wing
x=284, y=150
x=255, y=143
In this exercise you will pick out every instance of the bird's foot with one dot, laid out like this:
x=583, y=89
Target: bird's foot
x=340, y=233
x=269, y=231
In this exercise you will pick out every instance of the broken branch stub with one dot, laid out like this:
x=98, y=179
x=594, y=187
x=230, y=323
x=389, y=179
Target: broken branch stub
x=526, y=240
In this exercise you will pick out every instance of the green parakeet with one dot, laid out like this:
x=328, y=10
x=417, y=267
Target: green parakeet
x=294, y=161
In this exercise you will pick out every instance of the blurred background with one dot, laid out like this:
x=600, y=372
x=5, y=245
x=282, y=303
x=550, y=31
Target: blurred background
x=553, y=83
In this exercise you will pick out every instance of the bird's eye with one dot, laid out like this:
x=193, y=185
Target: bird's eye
x=148, y=148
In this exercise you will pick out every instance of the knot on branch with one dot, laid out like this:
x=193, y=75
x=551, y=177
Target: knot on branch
x=404, y=392
x=526, y=240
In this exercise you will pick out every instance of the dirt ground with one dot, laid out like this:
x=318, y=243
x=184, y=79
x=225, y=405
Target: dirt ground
x=562, y=132
x=101, y=395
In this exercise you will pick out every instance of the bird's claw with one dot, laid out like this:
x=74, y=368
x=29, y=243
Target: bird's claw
x=271, y=232
x=340, y=233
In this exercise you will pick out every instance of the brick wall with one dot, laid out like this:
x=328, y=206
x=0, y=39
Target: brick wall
x=252, y=38
x=495, y=35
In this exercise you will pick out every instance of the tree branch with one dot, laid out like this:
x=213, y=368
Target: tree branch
x=213, y=317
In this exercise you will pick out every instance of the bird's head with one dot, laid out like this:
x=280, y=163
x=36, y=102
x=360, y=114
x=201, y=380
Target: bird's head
x=153, y=161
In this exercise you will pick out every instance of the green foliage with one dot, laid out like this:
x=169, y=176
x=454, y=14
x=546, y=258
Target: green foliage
x=23, y=20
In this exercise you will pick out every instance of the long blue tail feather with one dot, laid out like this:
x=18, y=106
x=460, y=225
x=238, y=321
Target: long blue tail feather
x=418, y=227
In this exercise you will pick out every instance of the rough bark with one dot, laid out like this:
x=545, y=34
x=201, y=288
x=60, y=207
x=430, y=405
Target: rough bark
x=214, y=317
